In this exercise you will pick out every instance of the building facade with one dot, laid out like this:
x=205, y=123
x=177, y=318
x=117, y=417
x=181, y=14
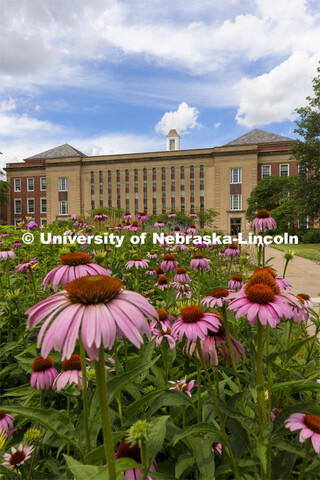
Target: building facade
x=63, y=181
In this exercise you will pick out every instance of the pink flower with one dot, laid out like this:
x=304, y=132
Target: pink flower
x=17, y=244
x=135, y=227
x=159, y=224
x=216, y=446
x=163, y=318
x=193, y=215
x=181, y=275
x=125, y=450
x=283, y=284
x=275, y=412
x=17, y=457
x=96, y=307
x=152, y=255
x=172, y=215
x=43, y=374
x=162, y=282
x=74, y=217
x=74, y=265
x=71, y=373
x=142, y=217
x=5, y=235
x=232, y=251
x=7, y=254
x=236, y=283
x=26, y=264
x=169, y=263
x=261, y=298
x=194, y=323
x=183, y=290
x=137, y=262
x=100, y=217
x=6, y=421
x=181, y=247
x=198, y=262
x=192, y=229
x=183, y=386
x=300, y=312
x=263, y=221
x=309, y=425
x=165, y=332
x=218, y=297
x=127, y=216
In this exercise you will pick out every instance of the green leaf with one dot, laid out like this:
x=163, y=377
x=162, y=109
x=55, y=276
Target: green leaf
x=134, y=407
x=282, y=465
x=155, y=441
x=172, y=398
x=55, y=421
x=160, y=476
x=262, y=454
x=183, y=462
x=204, y=456
x=81, y=471
x=293, y=350
x=247, y=423
x=204, y=428
x=283, y=444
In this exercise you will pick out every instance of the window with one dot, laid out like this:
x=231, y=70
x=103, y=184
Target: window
x=163, y=182
x=43, y=184
x=235, y=175
x=145, y=189
x=92, y=190
x=17, y=206
x=201, y=188
x=284, y=169
x=101, y=188
x=265, y=171
x=63, y=184
x=17, y=221
x=235, y=202
x=191, y=189
x=17, y=184
x=109, y=189
x=118, y=189
x=43, y=205
x=63, y=207
x=172, y=144
x=43, y=222
x=30, y=205
x=30, y=184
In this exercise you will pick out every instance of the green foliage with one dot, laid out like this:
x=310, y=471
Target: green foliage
x=312, y=236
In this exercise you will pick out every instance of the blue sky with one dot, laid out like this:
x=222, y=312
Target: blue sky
x=113, y=76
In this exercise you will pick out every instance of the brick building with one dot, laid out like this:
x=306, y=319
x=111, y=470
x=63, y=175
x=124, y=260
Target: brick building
x=63, y=181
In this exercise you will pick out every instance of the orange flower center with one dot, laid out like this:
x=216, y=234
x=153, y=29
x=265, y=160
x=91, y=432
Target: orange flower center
x=163, y=315
x=192, y=314
x=192, y=226
x=181, y=270
x=167, y=332
x=263, y=278
x=137, y=259
x=263, y=214
x=233, y=246
x=220, y=293
x=5, y=249
x=93, y=289
x=276, y=411
x=26, y=260
x=197, y=255
x=177, y=229
x=2, y=414
x=266, y=270
x=304, y=296
x=41, y=364
x=135, y=224
x=74, y=259
x=313, y=422
x=169, y=257
x=74, y=363
x=162, y=280
x=237, y=278
x=259, y=293
x=125, y=451
x=17, y=457
x=127, y=213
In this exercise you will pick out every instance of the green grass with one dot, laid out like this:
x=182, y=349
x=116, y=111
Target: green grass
x=311, y=251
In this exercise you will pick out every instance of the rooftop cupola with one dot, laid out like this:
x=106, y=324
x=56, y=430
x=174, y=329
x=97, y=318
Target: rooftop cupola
x=173, y=140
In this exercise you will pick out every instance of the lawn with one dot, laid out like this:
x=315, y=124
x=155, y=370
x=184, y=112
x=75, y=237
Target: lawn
x=307, y=250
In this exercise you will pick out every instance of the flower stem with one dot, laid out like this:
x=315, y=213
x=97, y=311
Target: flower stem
x=117, y=373
x=216, y=404
x=259, y=380
x=199, y=392
x=33, y=284
x=305, y=461
x=104, y=413
x=285, y=268
x=85, y=394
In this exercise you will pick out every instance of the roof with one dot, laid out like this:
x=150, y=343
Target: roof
x=259, y=136
x=173, y=131
x=63, y=151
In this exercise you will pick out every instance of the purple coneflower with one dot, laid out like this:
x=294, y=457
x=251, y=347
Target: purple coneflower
x=127, y=216
x=198, y=262
x=232, y=251
x=43, y=374
x=73, y=265
x=263, y=221
x=217, y=298
x=169, y=263
x=200, y=245
x=151, y=272
x=193, y=215
x=152, y=255
x=236, y=283
x=100, y=217
x=142, y=217
x=281, y=282
x=137, y=262
x=159, y=271
x=261, y=298
x=216, y=447
x=118, y=227
x=183, y=386
x=26, y=264
x=309, y=425
x=163, y=318
x=17, y=457
x=32, y=225
x=194, y=323
x=6, y=421
x=7, y=254
x=192, y=229
x=5, y=235
x=182, y=247
x=217, y=340
x=159, y=224
x=275, y=412
x=300, y=312
x=96, y=307
x=181, y=275
x=74, y=217
x=71, y=373
x=183, y=290
x=164, y=332
x=162, y=282
x=125, y=450
x=17, y=244
x=135, y=227
x=172, y=215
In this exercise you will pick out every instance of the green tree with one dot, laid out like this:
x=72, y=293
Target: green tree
x=4, y=193
x=307, y=152
x=278, y=196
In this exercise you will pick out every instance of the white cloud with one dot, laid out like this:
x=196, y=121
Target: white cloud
x=217, y=125
x=8, y=105
x=183, y=119
x=273, y=96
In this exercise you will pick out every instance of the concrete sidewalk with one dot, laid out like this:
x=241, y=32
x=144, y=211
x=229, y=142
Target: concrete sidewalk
x=303, y=274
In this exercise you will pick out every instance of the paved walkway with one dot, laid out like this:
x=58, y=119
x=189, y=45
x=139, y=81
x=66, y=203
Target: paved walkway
x=303, y=274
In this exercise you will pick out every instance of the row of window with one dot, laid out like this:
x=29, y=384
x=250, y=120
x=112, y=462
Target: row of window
x=30, y=206
x=30, y=184
x=43, y=221
x=283, y=170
